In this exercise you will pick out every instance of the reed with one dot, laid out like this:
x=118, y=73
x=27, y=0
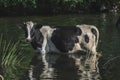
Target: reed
x=10, y=52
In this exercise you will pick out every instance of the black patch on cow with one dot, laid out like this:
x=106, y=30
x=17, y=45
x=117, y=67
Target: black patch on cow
x=86, y=38
x=75, y=29
x=64, y=38
x=94, y=32
x=37, y=38
x=78, y=31
x=37, y=26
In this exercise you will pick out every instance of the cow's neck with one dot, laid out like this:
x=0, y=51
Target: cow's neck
x=36, y=40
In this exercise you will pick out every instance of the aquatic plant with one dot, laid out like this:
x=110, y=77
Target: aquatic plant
x=10, y=52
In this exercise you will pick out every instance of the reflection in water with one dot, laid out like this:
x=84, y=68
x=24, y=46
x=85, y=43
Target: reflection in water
x=40, y=70
x=78, y=64
x=86, y=65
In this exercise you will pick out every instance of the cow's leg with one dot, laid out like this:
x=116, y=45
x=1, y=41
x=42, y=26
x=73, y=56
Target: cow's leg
x=43, y=52
x=46, y=69
x=90, y=56
x=93, y=60
x=94, y=69
x=92, y=52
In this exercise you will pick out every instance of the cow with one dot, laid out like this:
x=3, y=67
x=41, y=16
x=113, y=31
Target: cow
x=61, y=39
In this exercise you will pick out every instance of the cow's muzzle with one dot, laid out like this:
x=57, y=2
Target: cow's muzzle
x=29, y=40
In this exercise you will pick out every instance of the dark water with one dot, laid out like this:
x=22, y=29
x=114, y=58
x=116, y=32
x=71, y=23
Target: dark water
x=64, y=68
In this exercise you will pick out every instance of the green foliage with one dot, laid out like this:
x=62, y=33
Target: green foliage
x=53, y=6
x=10, y=53
x=17, y=3
x=71, y=4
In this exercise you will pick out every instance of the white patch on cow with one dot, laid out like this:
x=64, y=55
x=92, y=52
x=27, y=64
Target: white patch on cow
x=29, y=27
x=47, y=45
x=44, y=30
x=86, y=30
x=75, y=48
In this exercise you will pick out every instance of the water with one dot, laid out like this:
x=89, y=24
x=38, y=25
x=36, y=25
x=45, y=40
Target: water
x=63, y=67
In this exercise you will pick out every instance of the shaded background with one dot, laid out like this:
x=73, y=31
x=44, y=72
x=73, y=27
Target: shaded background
x=52, y=7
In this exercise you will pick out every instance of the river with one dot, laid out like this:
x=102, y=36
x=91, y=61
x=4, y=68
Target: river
x=64, y=69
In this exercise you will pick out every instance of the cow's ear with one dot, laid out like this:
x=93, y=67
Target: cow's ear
x=37, y=26
x=20, y=26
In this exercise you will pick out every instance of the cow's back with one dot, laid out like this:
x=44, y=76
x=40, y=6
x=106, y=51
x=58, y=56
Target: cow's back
x=65, y=38
x=72, y=39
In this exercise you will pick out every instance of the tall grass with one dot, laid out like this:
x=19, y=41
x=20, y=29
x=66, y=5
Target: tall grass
x=10, y=52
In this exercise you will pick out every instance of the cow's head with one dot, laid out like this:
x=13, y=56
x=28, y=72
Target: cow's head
x=30, y=29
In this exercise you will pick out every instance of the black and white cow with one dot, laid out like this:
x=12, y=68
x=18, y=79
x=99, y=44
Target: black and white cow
x=62, y=39
x=59, y=39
